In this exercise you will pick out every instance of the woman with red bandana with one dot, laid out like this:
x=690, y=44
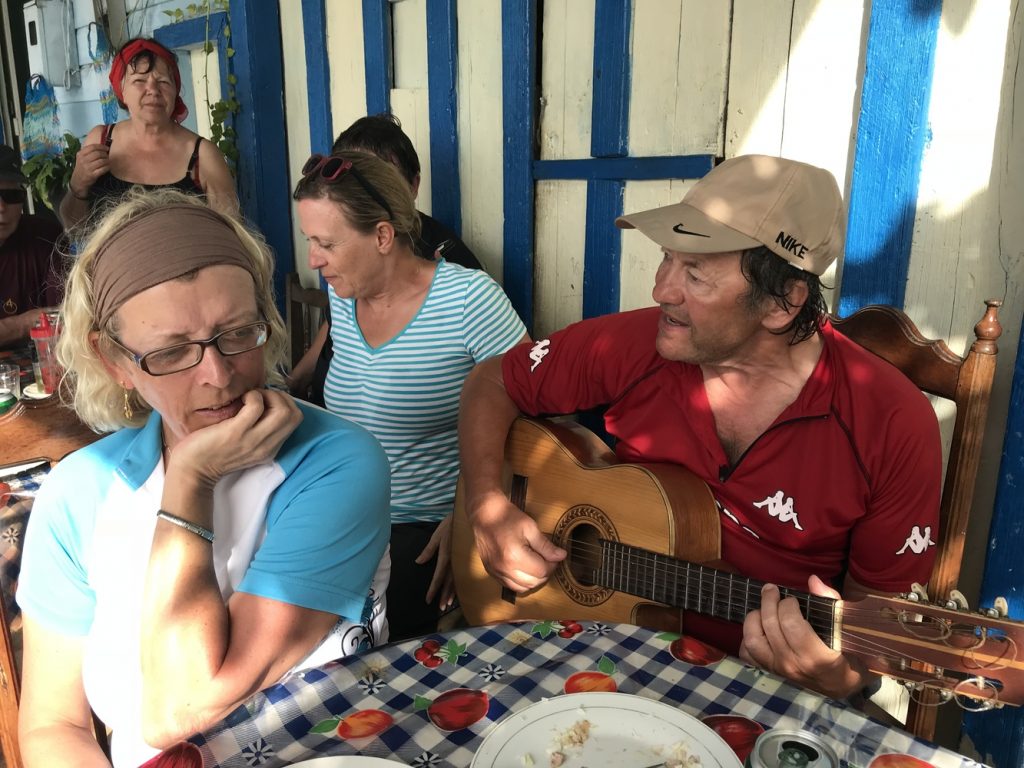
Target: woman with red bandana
x=151, y=148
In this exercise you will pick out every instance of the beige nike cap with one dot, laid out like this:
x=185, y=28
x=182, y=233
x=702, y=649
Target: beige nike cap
x=793, y=208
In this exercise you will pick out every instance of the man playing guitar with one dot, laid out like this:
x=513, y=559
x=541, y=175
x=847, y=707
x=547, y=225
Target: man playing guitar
x=824, y=461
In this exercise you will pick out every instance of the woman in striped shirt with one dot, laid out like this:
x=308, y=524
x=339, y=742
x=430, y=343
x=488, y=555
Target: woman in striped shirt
x=406, y=331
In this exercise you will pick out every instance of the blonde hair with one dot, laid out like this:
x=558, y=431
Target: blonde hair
x=361, y=209
x=96, y=396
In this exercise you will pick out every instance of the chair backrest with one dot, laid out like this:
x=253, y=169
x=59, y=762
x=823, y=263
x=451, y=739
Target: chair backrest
x=304, y=312
x=967, y=382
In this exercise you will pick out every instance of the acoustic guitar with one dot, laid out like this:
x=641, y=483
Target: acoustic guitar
x=642, y=540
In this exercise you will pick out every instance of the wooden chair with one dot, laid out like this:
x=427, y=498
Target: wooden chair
x=304, y=312
x=967, y=382
x=13, y=519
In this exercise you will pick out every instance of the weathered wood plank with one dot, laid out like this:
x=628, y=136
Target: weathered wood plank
x=680, y=63
x=758, y=66
x=296, y=112
x=561, y=213
x=345, y=49
x=480, y=130
x=566, y=79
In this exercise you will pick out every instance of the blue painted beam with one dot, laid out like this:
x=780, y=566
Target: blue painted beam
x=891, y=136
x=318, y=75
x=263, y=188
x=442, y=74
x=603, y=249
x=609, y=132
x=626, y=168
x=519, y=99
x=999, y=735
x=609, y=124
x=377, y=58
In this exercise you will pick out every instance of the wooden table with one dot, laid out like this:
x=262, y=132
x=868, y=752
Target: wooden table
x=45, y=429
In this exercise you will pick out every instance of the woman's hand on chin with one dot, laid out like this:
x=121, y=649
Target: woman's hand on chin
x=252, y=436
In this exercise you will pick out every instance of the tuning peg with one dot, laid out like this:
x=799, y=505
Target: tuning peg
x=917, y=594
x=957, y=601
x=1000, y=609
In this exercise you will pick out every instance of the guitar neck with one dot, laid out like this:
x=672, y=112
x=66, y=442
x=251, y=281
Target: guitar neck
x=697, y=588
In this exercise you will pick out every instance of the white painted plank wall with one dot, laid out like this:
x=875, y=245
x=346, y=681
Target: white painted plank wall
x=296, y=116
x=567, y=69
x=409, y=96
x=481, y=142
x=679, y=76
x=348, y=73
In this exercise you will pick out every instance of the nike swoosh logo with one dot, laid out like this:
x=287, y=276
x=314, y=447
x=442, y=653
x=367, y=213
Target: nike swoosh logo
x=678, y=229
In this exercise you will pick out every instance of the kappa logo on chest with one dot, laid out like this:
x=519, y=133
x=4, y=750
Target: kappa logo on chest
x=780, y=506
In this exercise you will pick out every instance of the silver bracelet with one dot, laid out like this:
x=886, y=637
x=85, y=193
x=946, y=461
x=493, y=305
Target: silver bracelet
x=188, y=525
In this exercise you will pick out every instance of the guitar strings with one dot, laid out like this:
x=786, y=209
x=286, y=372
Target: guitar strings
x=816, y=608
x=734, y=598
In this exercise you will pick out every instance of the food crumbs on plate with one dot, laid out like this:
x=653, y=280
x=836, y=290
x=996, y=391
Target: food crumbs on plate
x=527, y=760
x=557, y=758
x=679, y=757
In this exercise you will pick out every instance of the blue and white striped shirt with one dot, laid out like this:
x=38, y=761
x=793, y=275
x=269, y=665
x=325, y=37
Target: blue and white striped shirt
x=406, y=391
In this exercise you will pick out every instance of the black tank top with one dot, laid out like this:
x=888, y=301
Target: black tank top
x=109, y=189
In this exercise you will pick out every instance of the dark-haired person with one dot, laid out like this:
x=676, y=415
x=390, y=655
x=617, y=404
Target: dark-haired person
x=824, y=461
x=29, y=277
x=151, y=148
x=381, y=135
x=407, y=329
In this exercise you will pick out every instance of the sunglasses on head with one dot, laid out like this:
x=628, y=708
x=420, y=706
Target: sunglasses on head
x=331, y=168
x=13, y=196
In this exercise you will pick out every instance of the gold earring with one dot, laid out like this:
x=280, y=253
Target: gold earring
x=128, y=412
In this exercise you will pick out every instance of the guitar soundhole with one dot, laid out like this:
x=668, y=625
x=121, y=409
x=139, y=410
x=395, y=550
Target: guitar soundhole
x=579, y=531
x=585, y=554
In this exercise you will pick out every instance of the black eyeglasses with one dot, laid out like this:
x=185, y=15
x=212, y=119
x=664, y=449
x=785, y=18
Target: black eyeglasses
x=333, y=168
x=181, y=357
x=13, y=196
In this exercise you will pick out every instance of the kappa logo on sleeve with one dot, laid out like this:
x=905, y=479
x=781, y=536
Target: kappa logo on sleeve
x=537, y=353
x=781, y=506
x=917, y=542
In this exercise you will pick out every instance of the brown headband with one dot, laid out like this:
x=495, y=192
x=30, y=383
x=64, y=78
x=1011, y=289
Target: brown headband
x=160, y=245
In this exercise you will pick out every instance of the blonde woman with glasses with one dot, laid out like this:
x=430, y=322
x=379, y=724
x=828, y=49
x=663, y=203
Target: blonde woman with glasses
x=223, y=535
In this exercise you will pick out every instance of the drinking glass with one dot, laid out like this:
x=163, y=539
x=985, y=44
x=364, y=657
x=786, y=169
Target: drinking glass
x=10, y=386
x=10, y=380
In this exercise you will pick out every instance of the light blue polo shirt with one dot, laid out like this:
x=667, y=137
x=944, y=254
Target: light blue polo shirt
x=310, y=528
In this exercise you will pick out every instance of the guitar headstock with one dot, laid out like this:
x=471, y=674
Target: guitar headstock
x=975, y=658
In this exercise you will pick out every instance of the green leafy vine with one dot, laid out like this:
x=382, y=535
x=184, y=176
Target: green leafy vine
x=222, y=132
x=50, y=175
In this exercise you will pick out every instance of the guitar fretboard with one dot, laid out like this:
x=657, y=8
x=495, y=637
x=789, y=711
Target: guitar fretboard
x=724, y=595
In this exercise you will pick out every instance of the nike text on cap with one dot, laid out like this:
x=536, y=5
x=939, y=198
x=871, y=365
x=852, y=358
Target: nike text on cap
x=793, y=208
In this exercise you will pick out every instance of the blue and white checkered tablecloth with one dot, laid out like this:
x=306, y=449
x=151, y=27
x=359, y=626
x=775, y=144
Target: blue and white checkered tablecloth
x=516, y=665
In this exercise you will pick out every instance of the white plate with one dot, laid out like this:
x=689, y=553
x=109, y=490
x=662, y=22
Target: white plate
x=346, y=761
x=625, y=732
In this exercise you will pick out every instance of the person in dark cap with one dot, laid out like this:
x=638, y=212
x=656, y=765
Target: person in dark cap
x=29, y=274
x=824, y=461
